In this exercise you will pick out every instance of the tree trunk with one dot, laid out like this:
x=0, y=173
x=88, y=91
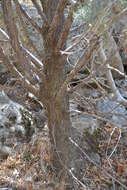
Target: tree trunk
x=59, y=122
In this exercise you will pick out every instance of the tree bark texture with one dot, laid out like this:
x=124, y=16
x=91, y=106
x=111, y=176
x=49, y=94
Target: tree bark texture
x=59, y=122
x=52, y=84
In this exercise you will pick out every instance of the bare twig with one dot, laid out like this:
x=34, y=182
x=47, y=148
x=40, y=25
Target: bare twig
x=93, y=162
x=4, y=33
x=44, y=4
x=108, y=157
x=110, y=77
x=26, y=67
x=66, y=27
x=81, y=62
x=34, y=24
x=31, y=44
x=77, y=180
x=114, y=69
x=13, y=69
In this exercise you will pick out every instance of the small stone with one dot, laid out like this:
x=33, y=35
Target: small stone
x=4, y=152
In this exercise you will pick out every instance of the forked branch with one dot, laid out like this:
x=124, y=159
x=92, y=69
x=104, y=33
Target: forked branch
x=66, y=27
x=40, y=12
x=83, y=60
x=57, y=19
x=26, y=66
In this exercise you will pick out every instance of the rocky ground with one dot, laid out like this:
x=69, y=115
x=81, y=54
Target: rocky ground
x=99, y=120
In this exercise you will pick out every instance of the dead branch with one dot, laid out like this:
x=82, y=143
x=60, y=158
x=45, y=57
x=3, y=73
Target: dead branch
x=97, y=165
x=26, y=67
x=44, y=4
x=114, y=69
x=13, y=70
x=31, y=44
x=4, y=34
x=32, y=57
x=66, y=28
x=119, y=16
x=81, y=62
x=114, y=149
x=31, y=21
x=13, y=34
x=56, y=19
x=110, y=77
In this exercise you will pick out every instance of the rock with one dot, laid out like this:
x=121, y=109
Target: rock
x=11, y=112
x=19, y=130
x=108, y=105
x=3, y=98
x=120, y=120
x=82, y=122
x=112, y=110
x=11, y=126
x=16, y=122
x=17, y=93
x=4, y=152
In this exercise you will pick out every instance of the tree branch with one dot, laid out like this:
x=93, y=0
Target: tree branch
x=110, y=77
x=44, y=4
x=4, y=33
x=36, y=62
x=24, y=65
x=24, y=28
x=81, y=62
x=66, y=28
x=56, y=20
x=31, y=21
x=40, y=12
x=13, y=69
x=32, y=57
